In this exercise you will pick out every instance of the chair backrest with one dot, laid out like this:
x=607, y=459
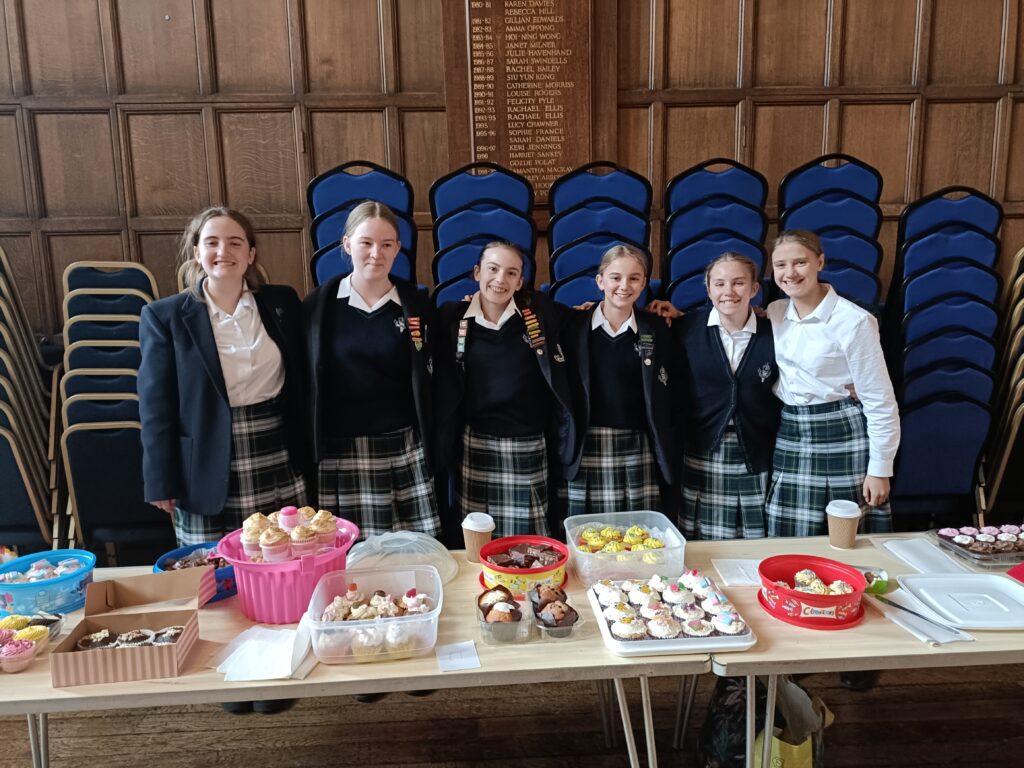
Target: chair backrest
x=455, y=289
x=486, y=215
x=950, y=310
x=694, y=255
x=834, y=171
x=944, y=242
x=832, y=208
x=949, y=343
x=345, y=182
x=12, y=313
x=852, y=282
x=460, y=258
x=332, y=260
x=101, y=328
x=715, y=213
x=576, y=289
x=964, y=205
x=1000, y=454
x=480, y=180
x=718, y=176
x=585, y=253
x=946, y=275
x=98, y=380
x=102, y=354
x=601, y=179
x=687, y=293
x=109, y=274
x=104, y=301
x=96, y=407
x=599, y=214
x=328, y=227
x=948, y=376
x=24, y=521
x=848, y=245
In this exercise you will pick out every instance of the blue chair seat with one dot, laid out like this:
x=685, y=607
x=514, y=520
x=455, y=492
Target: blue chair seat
x=948, y=376
x=950, y=310
x=949, y=343
x=586, y=252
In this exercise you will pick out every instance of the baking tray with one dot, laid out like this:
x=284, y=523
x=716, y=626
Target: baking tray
x=997, y=560
x=970, y=600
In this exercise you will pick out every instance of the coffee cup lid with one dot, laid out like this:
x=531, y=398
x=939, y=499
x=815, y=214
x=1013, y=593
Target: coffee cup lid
x=843, y=508
x=478, y=521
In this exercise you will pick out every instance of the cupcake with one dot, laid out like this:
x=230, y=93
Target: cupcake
x=307, y=513
x=728, y=623
x=275, y=545
x=663, y=628
x=97, y=640
x=986, y=538
x=617, y=611
x=840, y=587
x=288, y=518
x=498, y=594
x=632, y=539
x=16, y=655
x=612, y=597
x=947, y=533
x=653, y=543
x=6, y=635
x=629, y=628
x=963, y=540
x=1014, y=529
x=272, y=517
x=610, y=533
x=250, y=539
x=558, y=618
x=716, y=603
x=658, y=583
x=968, y=530
x=804, y=577
x=256, y=520
x=14, y=621
x=697, y=628
x=168, y=635
x=614, y=546
x=542, y=595
x=367, y=643
x=676, y=595
x=503, y=620
x=690, y=579
x=703, y=588
x=688, y=612
x=326, y=527
x=38, y=635
x=416, y=602
x=135, y=638
x=400, y=640
x=628, y=586
x=641, y=595
x=304, y=540
x=654, y=607
x=604, y=585
x=990, y=530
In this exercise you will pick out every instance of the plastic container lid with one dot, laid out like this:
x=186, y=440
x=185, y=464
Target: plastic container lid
x=404, y=548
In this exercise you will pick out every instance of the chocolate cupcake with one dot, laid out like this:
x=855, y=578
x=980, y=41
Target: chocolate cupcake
x=542, y=595
x=135, y=638
x=167, y=635
x=503, y=620
x=97, y=640
x=494, y=595
x=559, y=618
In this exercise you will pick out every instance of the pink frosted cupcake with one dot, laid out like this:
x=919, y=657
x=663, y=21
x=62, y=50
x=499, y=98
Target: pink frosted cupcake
x=275, y=545
x=948, y=533
x=16, y=655
x=304, y=541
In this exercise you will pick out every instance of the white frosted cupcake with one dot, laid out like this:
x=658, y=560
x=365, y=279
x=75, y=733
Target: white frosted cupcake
x=641, y=594
x=618, y=611
x=663, y=628
x=728, y=623
x=716, y=603
x=704, y=587
x=604, y=585
x=688, y=612
x=628, y=585
x=658, y=583
x=676, y=595
x=697, y=628
x=629, y=628
x=653, y=608
x=611, y=597
x=689, y=579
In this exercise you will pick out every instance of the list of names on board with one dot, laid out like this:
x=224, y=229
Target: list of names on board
x=530, y=83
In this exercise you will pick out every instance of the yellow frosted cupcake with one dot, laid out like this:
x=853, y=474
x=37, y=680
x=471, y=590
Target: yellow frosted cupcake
x=257, y=521
x=652, y=543
x=14, y=621
x=307, y=513
x=275, y=545
x=250, y=539
x=610, y=533
x=614, y=546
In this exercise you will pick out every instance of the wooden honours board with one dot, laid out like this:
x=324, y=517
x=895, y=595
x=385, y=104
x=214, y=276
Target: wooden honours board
x=529, y=103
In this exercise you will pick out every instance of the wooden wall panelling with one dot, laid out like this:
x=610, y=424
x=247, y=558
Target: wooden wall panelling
x=158, y=46
x=166, y=171
x=635, y=139
x=259, y=160
x=251, y=46
x=964, y=42
x=419, y=38
x=78, y=172
x=958, y=145
x=790, y=40
x=1014, y=189
x=604, y=114
x=879, y=133
x=28, y=278
x=284, y=254
x=703, y=45
x=6, y=75
x=64, y=47
x=785, y=136
x=698, y=132
x=13, y=193
x=421, y=135
x=1019, y=59
x=337, y=137
x=343, y=51
x=456, y=69
x=634, y=43
x=878, y=42
x=1012, y=238
x=64, y=248
x=159, y=252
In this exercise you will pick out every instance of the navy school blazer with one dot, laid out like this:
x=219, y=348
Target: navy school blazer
x=450, y=386
x=414, y=305
x=183, y=401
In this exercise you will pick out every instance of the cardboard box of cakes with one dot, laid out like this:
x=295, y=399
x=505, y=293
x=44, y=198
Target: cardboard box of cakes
x=137, y=628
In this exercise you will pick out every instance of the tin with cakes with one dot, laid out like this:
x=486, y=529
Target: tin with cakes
x=624, y=545
x=667, y=615
x=991, y=546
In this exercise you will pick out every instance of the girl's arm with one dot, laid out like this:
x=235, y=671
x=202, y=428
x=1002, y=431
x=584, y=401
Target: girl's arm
x=158, y=406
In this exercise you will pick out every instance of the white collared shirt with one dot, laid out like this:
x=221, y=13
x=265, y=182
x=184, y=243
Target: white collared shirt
x=476, y=312
x=598, y=320
x=834, y=346
x=346, y=291
x=249, y=359
x=735, y=344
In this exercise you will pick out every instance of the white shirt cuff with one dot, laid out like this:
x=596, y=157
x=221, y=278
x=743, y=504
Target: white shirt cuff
x=880, y=467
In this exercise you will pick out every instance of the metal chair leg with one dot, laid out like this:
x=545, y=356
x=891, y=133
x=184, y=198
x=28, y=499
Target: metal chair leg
x=687, y=692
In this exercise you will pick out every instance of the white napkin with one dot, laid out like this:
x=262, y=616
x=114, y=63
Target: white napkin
x=737, y=572
x=922, y=630
x=924, y=556
x=261, y=653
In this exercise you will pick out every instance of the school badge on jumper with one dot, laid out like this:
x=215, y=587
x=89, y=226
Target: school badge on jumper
x=558, y=356
x=400, y=324
x=663, y=376
x=764, y=372
x=430, y=365
x=415, y=332
x=645, y=347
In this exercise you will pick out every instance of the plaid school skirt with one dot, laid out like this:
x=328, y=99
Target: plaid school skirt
x=506, y=477
x=722, y=499
x=617, y=474
x=380, y=483
x=261, y=479
x=821, y=454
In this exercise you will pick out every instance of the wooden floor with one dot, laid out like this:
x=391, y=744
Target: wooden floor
x=970, y=716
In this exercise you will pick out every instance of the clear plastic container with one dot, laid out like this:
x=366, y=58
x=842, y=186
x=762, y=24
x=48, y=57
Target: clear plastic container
x=594, y=566
x=504, y=633
x=994, y=560
x=349, y=642
x=561, y=634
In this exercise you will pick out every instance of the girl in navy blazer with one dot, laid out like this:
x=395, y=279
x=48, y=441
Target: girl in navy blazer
x=369, y=343
x=220, y=387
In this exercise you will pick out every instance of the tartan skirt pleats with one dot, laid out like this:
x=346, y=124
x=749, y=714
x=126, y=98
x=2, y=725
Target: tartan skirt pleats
x=380, y=483
x=821, y=454
x=617, y=474
x=261, y=479
x=506, y=477
x=722, y=499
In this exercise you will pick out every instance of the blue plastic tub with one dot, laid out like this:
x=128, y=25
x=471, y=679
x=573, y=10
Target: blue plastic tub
x=62, y=594
x=225, y=576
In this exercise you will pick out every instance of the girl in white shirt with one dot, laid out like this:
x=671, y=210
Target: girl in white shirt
x=840, y=425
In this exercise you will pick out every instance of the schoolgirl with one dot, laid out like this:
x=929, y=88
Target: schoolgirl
x=368, y=336
x=624, y=365
x=503, y=399
x=221, y=386
x=731, y=414
x=840, y=426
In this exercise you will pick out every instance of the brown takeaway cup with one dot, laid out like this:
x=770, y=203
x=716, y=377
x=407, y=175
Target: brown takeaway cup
x=843, y=519
x=476, y=531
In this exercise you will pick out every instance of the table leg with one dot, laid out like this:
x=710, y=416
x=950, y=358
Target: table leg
x=751, y=719
x=769, y=720
x=645, y=699
x=687, y=691
x=603, y=706
x=33, y=741
x=620, y=693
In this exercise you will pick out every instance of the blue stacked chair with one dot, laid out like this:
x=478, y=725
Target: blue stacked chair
x=941, y=320
x=710, y=208
x=459, y=258
x=597, y=214
x=329, y=258
x=600, y=179
x=585, y=252
x=480, y=180
x=580, y=287
x=836, y=197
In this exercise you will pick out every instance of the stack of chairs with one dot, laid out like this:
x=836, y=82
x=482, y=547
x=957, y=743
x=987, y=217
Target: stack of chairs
x=940, y=324
x=332, y=195
x=1003, y=490
x=594, y=207
x=836, y=197
x=101, y=449
x=713, y=207
x=25, y=454
x=472, y=206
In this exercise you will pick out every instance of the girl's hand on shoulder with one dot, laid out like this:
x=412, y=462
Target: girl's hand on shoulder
x=664, y=309
x=585, y=305
x=876, y=490
x=167, y=505
x=759, y=311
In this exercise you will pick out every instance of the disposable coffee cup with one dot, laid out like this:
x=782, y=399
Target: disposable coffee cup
x=843, y=519
x=476, y=531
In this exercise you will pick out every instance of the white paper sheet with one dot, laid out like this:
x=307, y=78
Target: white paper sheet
x=457, y=656
x=923, y=556
x=261, y=653
x=738, y=573
x=922, y=630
